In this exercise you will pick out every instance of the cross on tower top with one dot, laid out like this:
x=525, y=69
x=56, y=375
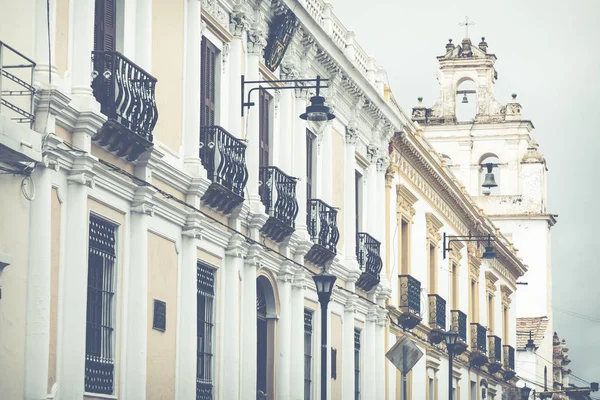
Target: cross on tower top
x=466, y=24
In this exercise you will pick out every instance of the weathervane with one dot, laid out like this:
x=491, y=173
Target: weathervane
x=466, y=24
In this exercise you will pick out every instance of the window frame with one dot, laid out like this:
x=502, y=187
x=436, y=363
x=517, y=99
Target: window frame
x=357, y=360
x=308, y=345
x=201, y=378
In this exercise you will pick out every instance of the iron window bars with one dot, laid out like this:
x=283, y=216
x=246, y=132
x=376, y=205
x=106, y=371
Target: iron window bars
x=357, y=364
x=459, y=324
x=308, y=329
x=205, y=280
x=410, y=295
x=99, y=352
x=437, y=311
x=478, y=337
x=16, y=84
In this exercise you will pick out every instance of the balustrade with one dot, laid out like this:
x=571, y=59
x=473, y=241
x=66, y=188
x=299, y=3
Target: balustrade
x=495, y=353
x=478, y=344
x=322, y=228
x=278, y=194
x=369, y=260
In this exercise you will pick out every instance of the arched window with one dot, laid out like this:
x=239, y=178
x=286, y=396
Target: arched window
x=489, y=158
x=466, y=101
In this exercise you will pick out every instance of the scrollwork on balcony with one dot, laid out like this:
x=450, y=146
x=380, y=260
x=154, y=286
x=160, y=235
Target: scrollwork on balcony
x=478, y=344
x=509, y=362
x=126, y=96
x=410, y=301
x=323, y=231
x=437, y=318
x=369, y=260
x=278, y=194
x=495, y=354
x=224, y=157
x=459, y=324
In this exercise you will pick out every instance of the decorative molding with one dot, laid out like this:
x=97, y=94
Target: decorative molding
x=433, y=227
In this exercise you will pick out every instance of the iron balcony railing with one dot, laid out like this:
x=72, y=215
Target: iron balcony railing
x=125, y=92
x=278, y=194
x=16, y=84
x=459, y=324
x=410, y=294
x=224, y=157
x=322, y=224
x=509, y=358
x=437, y=312
x=495, y=346
x=478, y=337
x=369, y=260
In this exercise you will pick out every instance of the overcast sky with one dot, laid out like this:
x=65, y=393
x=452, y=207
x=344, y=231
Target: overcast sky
x=548, y=53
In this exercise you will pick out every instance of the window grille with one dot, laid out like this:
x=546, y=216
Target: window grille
x=99, y=352
x=205, y=276
x=356, y=364
x=308, y=328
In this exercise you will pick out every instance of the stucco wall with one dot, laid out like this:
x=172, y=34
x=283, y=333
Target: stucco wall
x=162, y=285
x=54, y=276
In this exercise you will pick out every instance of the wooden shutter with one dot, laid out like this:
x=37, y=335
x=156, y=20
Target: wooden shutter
x=105, y=27
x=263, y=107
x=309, y=162
x=357, y=200
x=208, y=85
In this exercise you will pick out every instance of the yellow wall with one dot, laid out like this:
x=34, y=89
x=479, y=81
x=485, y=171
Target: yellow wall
x=66, y=135
x=162, y=285
x=61, y=52
x=338, y=144
x=167, y=67
x=15, y=17
x=14, y=232
x=54, y=274
x=336, y=343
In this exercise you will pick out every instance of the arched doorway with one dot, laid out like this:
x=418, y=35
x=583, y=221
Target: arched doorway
x=266, y=312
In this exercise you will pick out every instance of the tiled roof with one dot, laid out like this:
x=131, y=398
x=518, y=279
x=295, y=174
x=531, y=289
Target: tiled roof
x=537, y=326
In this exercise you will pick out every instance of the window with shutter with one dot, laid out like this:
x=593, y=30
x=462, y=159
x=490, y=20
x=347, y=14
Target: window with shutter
x=208, y=83
x=264, y=122
x=105, y=27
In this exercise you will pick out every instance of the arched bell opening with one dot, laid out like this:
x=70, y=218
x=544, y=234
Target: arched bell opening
x=489, y=175
x=466, y=101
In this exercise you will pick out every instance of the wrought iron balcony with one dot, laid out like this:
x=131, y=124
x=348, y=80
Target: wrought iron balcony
x=509, y=362
x=495, y=354
x=437, y=318
x=369, y=260
x=126, y=96
x=410, y=301
x=224, y=157
x=459, y=324
x=323, y=231
x=478, y=344
x=278, y=194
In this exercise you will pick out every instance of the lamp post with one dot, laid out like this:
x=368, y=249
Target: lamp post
x=324, y=283
x=489, y=252
x=450, y=337
x=525, y=392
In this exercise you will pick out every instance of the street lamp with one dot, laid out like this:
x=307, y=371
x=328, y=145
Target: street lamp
x=324, y=283
x=489, y=252
x=525, y=392
x=317, y=112
x=450, y=338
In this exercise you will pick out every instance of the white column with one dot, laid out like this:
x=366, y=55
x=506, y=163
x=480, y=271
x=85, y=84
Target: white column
x=348, y=348
x=193, y=38
x=37, y=331
x=368, y=389
x=349, y=195
x=286, y=132
x=284, y=335
x=230, y=357
x=71, y=358
x=42, y=53
x=325, y=159
x=300, y=162
x=380, y=355
x=136, y=293
x=187, y=330
x=370, y=213
x=81, y=53
x=256, y=44
x=297, y=337
x=143, y=35
x=236, y=61
x=248, y=350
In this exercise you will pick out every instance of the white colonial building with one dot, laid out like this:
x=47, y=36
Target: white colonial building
x=473, y=131
x=158, y=239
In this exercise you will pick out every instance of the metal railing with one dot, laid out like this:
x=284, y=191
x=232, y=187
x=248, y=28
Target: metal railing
x=322, y=224
x=437, y=311
x=16, y=84
x=224, y=157
x=509, y=358
x=278, y=194
x=459, y=324
x=369, y=260
x=410, y=294
x=495, y=345
x=125, y=92
x=478, y=337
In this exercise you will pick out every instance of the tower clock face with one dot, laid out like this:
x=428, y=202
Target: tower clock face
x=280, y=36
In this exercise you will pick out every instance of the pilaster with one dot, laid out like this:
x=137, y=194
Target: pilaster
x=297, y=335
x=348, y=347
x=284, y=325
x=248, y=346
x=349, y=195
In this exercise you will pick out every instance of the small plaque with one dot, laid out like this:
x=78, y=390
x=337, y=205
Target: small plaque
x=160, y=316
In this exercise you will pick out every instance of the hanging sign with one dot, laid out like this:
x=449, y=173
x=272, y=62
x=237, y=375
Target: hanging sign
x=282, y=31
